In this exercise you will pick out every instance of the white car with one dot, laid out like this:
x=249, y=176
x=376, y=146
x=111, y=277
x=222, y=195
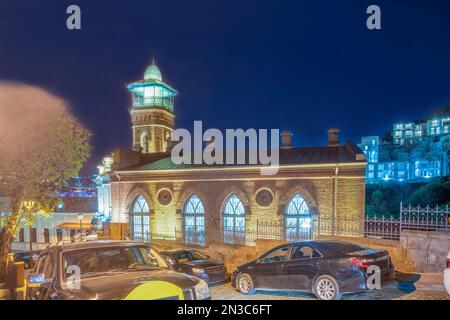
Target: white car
x=447, y=275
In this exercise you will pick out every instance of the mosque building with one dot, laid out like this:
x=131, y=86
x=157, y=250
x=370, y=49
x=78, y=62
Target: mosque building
x=316, y=189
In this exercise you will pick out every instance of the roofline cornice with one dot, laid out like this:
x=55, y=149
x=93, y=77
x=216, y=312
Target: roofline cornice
x=248, y=168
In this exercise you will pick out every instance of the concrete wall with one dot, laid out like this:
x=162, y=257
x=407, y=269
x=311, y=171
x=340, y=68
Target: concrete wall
x=232, y=255
x=426, y=250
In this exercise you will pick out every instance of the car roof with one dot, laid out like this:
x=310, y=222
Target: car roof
x=326, y=242
x=177, y=250
x=96, y=244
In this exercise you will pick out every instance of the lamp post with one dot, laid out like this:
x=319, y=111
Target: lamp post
x=80, y=217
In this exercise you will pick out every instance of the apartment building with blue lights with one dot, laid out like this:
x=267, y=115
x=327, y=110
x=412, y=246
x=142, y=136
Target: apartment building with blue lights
x=417, y=151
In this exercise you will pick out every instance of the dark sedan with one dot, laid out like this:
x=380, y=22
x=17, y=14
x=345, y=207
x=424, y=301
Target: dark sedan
x=325, y=268
x=196, y=263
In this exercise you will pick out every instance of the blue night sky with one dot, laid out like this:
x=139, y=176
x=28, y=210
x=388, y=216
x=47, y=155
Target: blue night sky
x=298, y=65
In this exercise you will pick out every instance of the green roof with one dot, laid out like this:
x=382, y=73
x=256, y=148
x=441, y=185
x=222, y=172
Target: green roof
x=346, y=153
x=152, y=72
x=163, y=164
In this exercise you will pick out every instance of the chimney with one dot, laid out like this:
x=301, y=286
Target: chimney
x=333, y=137
x=286, y=139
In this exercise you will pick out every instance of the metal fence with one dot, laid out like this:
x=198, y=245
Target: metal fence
x=25, y=246
x=436, y=218
x=427, y=218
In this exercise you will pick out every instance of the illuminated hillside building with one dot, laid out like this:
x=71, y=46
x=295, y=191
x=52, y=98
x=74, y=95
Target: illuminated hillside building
x=418, y=151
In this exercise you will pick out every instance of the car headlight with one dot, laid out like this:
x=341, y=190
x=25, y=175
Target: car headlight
x=201, y=290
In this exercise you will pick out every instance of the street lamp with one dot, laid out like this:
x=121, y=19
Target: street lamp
x=80, y=217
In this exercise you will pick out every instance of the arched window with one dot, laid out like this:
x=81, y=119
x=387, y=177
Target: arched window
x=297, y=219
x=194, y=220
x=140, y=226
x=233, y=220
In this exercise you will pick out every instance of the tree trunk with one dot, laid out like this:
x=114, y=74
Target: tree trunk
x=5, y=248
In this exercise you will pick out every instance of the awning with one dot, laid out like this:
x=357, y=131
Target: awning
x=75, y=225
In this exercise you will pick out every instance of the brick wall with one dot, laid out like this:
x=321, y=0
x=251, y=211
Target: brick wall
x=317, y=191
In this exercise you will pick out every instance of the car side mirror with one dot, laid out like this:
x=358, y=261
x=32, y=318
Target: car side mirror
x=35, y=280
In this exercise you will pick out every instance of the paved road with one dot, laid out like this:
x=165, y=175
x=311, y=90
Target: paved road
x=388, y=292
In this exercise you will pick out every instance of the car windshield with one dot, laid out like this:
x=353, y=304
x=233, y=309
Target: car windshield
x=186, y=256
x=95, y=261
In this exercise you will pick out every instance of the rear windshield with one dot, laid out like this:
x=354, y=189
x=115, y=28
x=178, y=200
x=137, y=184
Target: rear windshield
x=346, y=248
x=95, y=261
x=186, y=256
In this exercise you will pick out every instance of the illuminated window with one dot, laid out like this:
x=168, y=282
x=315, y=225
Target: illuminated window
x=140, y=214
x=297, y=219
x=233, y=220
x=194, y=220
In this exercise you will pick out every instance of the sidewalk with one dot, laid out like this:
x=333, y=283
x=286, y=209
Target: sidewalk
x=422, y=281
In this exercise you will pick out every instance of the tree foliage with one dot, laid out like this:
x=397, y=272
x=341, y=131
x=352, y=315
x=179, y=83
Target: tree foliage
x=384, y=199
x=41, y=146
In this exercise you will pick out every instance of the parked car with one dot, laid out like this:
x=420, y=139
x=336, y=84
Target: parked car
x=107, y=270
x=447, y=275
x=196, y=263
x=325, y=268
x=28, y=258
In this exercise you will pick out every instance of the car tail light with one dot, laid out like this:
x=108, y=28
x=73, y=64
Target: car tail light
x=448, y=263
x=360, y=263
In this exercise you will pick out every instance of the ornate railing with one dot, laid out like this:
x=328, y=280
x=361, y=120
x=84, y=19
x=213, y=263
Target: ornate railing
x=425, y=218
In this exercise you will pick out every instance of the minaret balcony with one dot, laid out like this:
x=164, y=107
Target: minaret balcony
x=166, y=102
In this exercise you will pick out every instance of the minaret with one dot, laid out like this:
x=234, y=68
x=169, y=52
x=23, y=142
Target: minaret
x=152, y=111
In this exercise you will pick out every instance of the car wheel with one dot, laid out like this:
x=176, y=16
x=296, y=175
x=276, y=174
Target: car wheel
x=326, y=288
x=245, y=284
